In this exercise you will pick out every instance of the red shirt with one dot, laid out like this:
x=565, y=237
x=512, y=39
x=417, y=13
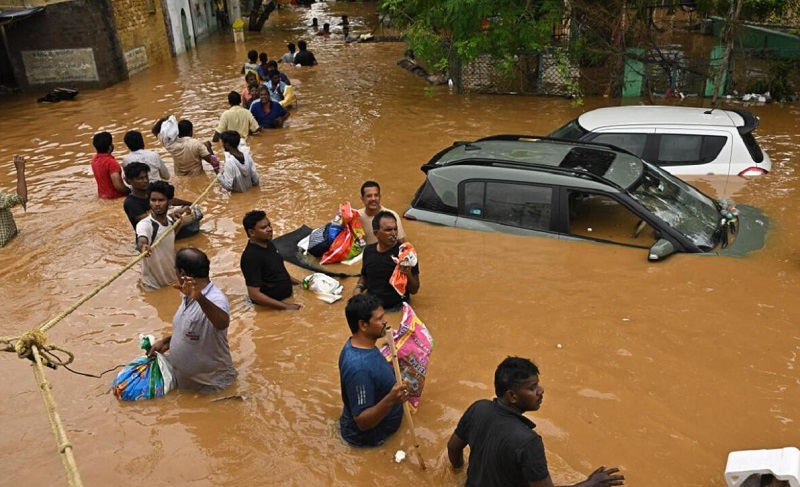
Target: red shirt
x=102, y=167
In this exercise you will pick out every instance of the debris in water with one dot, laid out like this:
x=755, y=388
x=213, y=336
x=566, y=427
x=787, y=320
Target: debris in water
x=399, y=456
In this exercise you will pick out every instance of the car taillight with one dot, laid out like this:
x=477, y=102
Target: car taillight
x=753, y=171
x=409, y=217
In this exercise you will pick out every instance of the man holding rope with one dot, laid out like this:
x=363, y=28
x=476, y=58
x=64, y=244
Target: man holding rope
x=373, y=400
x=158, y=269
x=505, y=451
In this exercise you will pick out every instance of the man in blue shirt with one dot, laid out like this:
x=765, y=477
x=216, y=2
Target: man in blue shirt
x=269, y=114
x=373, y=401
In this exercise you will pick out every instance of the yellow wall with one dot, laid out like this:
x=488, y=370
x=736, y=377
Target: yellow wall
x=141, y=23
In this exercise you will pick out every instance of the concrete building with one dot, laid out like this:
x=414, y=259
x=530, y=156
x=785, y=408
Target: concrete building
x=78, y=43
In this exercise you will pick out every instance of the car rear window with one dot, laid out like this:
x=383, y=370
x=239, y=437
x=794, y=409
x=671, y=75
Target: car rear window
x=753, y=148
x=428, y=199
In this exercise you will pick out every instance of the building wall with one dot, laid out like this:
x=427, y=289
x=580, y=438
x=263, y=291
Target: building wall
x=173, y=9
x=203, y=18
x=142, y=33
x=72, y=43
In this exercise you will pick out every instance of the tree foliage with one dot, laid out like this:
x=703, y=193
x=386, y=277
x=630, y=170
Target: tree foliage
x=439, y=29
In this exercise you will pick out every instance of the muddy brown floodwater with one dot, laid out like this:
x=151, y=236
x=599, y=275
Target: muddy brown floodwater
x=660, y=369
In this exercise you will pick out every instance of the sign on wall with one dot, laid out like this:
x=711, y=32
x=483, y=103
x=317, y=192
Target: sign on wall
x=136, y=60
x=60, y=66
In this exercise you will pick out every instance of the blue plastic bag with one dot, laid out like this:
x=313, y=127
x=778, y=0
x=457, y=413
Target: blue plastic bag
x=144, y=378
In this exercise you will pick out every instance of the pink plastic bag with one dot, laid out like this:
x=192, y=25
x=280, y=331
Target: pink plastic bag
x=414, y=345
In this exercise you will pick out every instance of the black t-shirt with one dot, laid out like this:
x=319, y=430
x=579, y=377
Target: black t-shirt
x=305, y=58
x=377, y=268
x=135, y=206
x=263, y=268
x=504, y=449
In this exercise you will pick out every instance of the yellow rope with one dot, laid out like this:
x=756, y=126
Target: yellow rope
x=86, y=297
x=31, y=344
x=64, y=446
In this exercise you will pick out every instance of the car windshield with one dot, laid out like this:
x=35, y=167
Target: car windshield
x=679, y=205
x=570, y=131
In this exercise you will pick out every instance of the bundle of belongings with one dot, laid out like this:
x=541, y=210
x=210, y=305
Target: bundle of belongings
x=325, y=287
x=414, y=345
x=341, y=240
x=407, y=257
x=145, y=378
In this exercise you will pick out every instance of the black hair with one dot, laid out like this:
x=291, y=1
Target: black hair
x=234, y=98
x=370, y=184
x=376, y=222
x=193, y=262
x=273, y=72
x=251, y=218
x=360, y=308
x=185, y=128
x=134, y=140
x=251, y=73
x=272, y=64
x=102, y=142
x=162, y=187
x=291, y=46
x=231, y=137
x=262, y=57
x=135, y=169
x=326, y=26
x=512, y=372
x=301, y=45
x=252, y=56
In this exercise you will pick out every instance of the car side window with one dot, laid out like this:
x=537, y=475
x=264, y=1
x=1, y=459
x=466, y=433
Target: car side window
x=600, y=217
x=633, y=143
x=520, y=205
x=676, y=149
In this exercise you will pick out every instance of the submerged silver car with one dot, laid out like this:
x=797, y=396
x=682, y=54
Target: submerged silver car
x=532, y=185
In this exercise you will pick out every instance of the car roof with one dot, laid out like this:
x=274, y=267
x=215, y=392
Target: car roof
x=576, y=159
x=660, y=115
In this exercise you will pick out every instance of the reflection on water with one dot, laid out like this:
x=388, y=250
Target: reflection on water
x=662, y=368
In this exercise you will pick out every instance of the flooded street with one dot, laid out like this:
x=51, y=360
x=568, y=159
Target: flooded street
x=658, y=368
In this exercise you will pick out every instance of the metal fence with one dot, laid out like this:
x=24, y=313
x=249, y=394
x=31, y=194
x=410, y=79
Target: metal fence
x=532, y=72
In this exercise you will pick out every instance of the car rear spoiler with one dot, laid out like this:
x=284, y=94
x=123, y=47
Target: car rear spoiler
x=750, y=120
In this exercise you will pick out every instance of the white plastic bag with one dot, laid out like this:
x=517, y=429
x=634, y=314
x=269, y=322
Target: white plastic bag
x=325, y=287
x=169, y=131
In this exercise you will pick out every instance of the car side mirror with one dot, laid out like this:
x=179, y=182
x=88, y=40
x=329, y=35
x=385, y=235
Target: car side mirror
x=660, y=250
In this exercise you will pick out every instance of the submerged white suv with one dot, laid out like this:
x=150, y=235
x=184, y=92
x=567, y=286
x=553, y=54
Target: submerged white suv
x=682, y=140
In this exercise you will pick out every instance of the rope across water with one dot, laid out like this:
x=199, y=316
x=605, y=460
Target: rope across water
x=31, y=345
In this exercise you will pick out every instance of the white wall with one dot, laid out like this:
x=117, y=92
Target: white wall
x=174, y=8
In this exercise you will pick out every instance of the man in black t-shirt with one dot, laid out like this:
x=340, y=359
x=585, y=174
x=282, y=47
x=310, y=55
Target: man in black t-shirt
x=505, y=451
x=268, y=282
x=304, y=57
x=377, y=265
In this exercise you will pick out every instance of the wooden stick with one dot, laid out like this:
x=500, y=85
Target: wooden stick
x=406, y=407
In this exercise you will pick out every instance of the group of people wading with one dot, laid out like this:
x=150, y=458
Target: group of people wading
x=505, y=450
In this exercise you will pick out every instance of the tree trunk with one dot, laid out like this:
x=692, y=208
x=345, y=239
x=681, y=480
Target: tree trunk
x=733, y=19
x=257, y=20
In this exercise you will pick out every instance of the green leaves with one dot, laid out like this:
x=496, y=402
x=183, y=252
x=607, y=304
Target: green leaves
x=438, y=29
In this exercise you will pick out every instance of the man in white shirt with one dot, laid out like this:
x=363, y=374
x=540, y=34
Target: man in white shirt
x=371, y=197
